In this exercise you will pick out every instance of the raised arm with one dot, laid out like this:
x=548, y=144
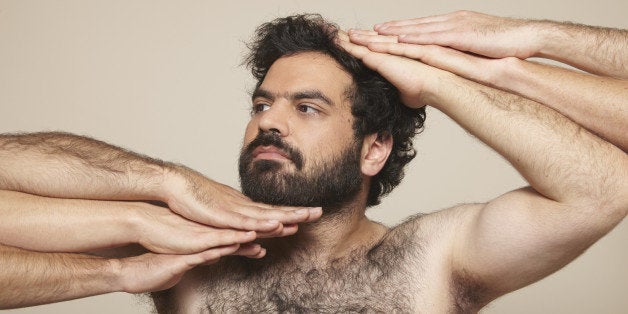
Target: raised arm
x=579, y=189
x=593, y=49
x=598, y=103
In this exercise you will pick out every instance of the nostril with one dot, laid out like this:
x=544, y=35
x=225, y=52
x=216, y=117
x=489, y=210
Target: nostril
x=273, y=130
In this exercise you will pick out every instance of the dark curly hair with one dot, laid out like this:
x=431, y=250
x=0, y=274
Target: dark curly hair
x=376, y=105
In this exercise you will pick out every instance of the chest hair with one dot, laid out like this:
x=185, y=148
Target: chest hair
x=387, y=277
x=368, y=280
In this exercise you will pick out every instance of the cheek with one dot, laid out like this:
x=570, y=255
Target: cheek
x=250, y=132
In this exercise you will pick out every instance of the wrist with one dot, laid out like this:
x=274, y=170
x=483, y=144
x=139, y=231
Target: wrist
x=173, y=182
x=550, y=38
x=115, y=274
x=510, y=75
x=442, y=90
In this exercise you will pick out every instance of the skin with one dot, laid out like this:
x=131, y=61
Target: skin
x=500, y=47
x=320, y=129
x=544, y=213
x=88, y=199
x=471, y=260
x=475, y=243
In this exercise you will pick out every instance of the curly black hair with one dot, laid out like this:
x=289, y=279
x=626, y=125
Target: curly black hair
x=376, y=105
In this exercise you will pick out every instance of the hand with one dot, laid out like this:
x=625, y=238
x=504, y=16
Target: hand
x=416, y=81
x=154, y=272
x=486, y=35
x=160, y=230
x=205, y=201
x=482, y=70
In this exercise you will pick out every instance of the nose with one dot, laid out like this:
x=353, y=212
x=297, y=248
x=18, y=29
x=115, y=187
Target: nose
x=275, y=119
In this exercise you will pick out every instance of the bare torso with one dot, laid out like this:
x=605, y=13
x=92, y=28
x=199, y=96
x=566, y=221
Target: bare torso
x=402, y=272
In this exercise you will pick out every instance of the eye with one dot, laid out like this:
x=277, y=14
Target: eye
x=257, y=108
x=307, y=109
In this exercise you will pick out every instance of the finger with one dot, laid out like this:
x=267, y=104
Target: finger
x=471, y=67
x=233, y=219
x=441, y=38
x=364, y=39
x=420, y=20
x=362, y=31
x=405, y=50
x=199, y=240
x=286, y=230
x=222, y=237
x=355, y=50
x=251, y=250
x=211, y=256
x=313, y=212
x=342, y=35
x=282, y=214
x=416, y=28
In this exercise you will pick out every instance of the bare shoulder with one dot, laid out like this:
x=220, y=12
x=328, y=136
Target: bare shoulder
x=422, y=249
x=426, y=241
x=433, y=228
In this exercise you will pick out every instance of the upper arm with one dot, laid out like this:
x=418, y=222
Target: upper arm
x=521, y=237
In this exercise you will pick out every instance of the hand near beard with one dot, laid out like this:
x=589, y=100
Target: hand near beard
x=208, y=202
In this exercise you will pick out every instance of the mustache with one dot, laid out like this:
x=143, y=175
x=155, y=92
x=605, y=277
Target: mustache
x=273, y=139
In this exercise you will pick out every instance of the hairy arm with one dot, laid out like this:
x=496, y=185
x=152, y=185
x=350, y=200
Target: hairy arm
x=33, y=278
x=579, y=188
x=72, y=225
x=65, y=193
x=69, y=166
x=597, y=50
x=63, y=165
x=600, y=104
x=596, y=102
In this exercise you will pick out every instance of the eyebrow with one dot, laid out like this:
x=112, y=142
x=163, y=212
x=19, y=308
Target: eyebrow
x=306, y=94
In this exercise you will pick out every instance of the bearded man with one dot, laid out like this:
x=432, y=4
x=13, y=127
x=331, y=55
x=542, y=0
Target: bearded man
x=332, y=119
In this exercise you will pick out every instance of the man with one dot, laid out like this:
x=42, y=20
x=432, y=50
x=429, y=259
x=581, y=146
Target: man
x=306, y=124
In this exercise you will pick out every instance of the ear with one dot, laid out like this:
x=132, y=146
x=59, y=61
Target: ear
x=375, y=151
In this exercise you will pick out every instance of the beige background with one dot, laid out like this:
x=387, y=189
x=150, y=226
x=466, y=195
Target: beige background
x=163, y=78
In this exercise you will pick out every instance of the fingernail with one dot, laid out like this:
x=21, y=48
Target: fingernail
x=262, y=253
x=377, y=26
x=316, y=210
x=250, y=233
x=301, y=211
x=271, y=223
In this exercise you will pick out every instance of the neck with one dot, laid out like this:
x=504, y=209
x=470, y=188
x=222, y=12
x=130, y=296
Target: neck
x=334, y=236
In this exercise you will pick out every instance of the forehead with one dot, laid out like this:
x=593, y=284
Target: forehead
x=308, y=71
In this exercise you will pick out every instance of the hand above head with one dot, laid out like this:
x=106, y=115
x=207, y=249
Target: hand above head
x=473, y=67
x=574, y=94
x=486, y=35
x=596, y=50
x=415, y=81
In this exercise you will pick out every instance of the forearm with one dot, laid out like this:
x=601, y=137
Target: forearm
x=600, y=104
x=65, y=225
x=558, y=158
x=32, y=278
x=70, y=166
x=597, y=50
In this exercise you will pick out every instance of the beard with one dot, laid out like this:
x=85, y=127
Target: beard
x=329, y=183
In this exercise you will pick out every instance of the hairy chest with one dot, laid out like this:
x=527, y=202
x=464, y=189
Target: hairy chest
x=359, y=286
x=404, y=273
